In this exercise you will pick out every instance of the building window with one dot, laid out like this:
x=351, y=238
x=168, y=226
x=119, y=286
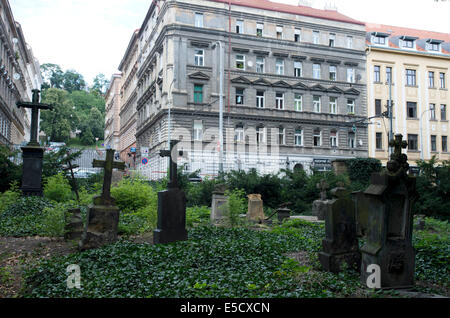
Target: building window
x=351, y=140
x=199, y=20
x=351, y=106
x=411, y=108
x=376, y=74
x=199, y=58
x=316, y=71
x=279, y=65
x=351, y=75
x=298, y=101
x=334, y=139
x=379, y=141
x=332, y=40
x=380, y=40
x=412, y=142
x=430, y=79
x=317, y=138
x=433, y=111
x=316, y=36
x=281, y=136
x=443, y=112
x=433, y=143
x=409, y=44
x=260, y=135
x=442, y=79
x=260, y=99
x=239, y=96
x=444, y=144
x=198, y=131
x=317, y=104
x=297, y=35
x=198, y=94
x=260, y=64
x=298, y=69
x=279, y=100
x=410, y=77
x=333, y=105
x=298, y=137
x=333, y=73
x=240, y=62
x=279, y=32
x=389, y=74
x=239, y=135
x=240, y=26
x=259, y=29
x=377, y=107
x=349, y=42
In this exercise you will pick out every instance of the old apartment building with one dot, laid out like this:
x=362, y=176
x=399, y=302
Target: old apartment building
x=294, y=85
x=19, y=74
x=417, y=64
x=112, y=108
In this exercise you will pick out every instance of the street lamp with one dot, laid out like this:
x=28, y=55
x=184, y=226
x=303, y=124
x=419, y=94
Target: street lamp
x=221, y=75
x=421, y=135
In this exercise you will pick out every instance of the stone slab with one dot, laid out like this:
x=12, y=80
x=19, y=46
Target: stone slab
x=312, y=219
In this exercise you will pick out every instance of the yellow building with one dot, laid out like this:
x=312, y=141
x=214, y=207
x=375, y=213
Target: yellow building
x=418, y=63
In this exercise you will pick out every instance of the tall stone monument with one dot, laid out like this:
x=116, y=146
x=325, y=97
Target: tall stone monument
x=389, y=199
x=340, y=244
x=255, y=208
x=319, y=207
x=219, y=203
x=171, y=204
x=33, y=154
x=103, y=216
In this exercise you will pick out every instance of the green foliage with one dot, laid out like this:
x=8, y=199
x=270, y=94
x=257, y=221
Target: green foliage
x=9, y=171
x=433, y=187
x=144, y=220
x=196, y=216
x=57, y=188
x=54, y=162
x=9, y=197
x=53, y=221
x=73, y=81
x=101, y=84
x=200, y=194
x=360, y=170
x=236, y=205
x=92, y=184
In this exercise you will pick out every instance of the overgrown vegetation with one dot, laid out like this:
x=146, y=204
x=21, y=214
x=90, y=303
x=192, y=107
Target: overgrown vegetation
x=9, y=171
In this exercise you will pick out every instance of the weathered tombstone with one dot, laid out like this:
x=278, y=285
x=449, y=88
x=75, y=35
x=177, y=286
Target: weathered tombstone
x=74, y=225
x=319, y=207
x=390, y=222
x=171, y=204
x=361, y=213
x=33, y=154
x=340, y=244
x=103, y=216
x=218, y=205
x=283, y=214
x=255, y=211
x=339, y=167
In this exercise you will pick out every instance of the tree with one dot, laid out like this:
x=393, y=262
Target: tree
x=73, y=81
x=53, y=76
x=101, y=84
x=84, y=101
x=62, y=120
x=9, y=171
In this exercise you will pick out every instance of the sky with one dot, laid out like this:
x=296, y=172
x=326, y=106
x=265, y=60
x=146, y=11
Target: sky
x=91, y=36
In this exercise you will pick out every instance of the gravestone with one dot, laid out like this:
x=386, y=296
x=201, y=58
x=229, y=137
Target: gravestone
x=361, y=213
x=219, y=202
x=255, y=211
x=283, y=213
x=389, y=201
x=74, y=225
x=103, y=216
x=33, y=154
x=171, y=204
x=319, y=207
x=340, y=244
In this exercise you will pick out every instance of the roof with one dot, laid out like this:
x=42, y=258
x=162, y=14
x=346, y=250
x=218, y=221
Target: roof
x=298, y=10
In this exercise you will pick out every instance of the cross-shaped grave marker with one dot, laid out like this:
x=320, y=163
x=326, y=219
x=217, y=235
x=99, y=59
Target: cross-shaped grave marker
x=173, y=167
x=108, y=165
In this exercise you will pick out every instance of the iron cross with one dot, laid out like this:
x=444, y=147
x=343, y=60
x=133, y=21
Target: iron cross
x=109, y=164
x=398, y=144
x=35, y=106
x=173, y=167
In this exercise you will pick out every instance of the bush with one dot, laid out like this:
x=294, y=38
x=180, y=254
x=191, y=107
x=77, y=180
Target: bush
x=360, y=170
x=236, y=205
x=58, y=189
x=200, y=194
x=142, y=221
x=53, y=221
x=9, y=171
x=9, y=197
x=197, y=216
x=92, y=184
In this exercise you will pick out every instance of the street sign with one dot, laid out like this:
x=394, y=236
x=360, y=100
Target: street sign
x=133, y=150
x=145, y=151
x=144, y=161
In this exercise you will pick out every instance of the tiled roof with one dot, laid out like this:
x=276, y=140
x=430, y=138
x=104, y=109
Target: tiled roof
x=299, y=10
x=399, y=31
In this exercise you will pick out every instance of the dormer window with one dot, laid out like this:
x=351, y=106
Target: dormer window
x=408, y=42
x=433, y=45
x=379, y=38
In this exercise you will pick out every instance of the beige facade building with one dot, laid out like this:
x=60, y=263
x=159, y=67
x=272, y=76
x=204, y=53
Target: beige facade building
x=418, y=63
x=112, y=120
x=19, y=74
x=128, y=112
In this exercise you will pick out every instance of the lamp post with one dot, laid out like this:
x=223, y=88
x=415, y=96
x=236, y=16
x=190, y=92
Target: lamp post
x=221, y=75
x=421, y=135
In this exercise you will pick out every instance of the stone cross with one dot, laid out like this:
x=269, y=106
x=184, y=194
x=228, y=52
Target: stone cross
x=109, y=164
x=35, y=106
x=398, y=144
x=173, y=168
x=399, y=162
x=323, y=187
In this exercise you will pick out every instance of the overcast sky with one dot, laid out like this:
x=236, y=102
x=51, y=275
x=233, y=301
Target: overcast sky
x=91, y=36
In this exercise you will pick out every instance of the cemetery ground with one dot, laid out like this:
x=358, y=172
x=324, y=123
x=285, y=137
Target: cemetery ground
x=235, y=259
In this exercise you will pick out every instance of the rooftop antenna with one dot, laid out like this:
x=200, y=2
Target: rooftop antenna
x=330, y=5
x=305, y=3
